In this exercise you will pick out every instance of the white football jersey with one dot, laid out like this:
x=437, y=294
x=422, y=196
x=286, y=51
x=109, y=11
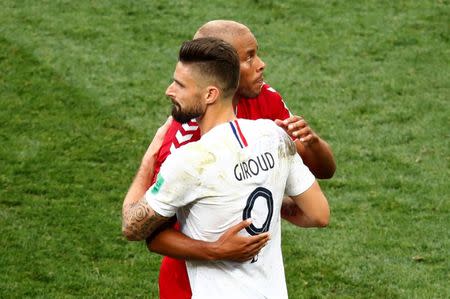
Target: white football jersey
x=237, y=170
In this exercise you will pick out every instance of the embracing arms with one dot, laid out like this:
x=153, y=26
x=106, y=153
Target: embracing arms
x=140, y=222
x=230, y=245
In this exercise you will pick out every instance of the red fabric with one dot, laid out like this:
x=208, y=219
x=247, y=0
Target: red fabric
x=173, y=278
x=171, y=139
x=268, y=105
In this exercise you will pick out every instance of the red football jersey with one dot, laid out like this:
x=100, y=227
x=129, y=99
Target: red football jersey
x=267, y=105
x=177, y=135
x=173, y=278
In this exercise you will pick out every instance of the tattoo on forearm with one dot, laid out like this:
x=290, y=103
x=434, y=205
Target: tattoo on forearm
x=139, y=221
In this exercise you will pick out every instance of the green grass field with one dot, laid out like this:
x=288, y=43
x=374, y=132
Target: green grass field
x=82, y=91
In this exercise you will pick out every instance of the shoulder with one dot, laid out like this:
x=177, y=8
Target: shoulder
x=274, y=101
x=262, y=123
x=279, y=135
x=190, y=152
x=263, y=127
x=193, y=157
x=269, y=92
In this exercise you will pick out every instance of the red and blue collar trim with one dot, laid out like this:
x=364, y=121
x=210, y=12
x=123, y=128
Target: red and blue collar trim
x=238, y=133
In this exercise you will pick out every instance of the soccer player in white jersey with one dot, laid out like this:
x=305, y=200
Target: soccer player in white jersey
x=238, y=170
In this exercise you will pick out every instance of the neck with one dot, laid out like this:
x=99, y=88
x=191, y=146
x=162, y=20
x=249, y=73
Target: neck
x=215, y=115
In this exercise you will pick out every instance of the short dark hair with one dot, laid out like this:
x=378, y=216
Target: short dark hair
x=214, y=58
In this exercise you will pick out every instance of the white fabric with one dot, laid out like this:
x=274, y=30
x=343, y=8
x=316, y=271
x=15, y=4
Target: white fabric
x=208, y=184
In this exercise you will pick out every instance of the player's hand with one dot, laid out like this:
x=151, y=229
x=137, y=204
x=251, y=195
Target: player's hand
x=297, y=127
x=235, y=247
x=157, y=141
x=289, y=208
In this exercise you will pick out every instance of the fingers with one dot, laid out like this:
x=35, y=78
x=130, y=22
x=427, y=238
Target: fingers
x=280, y=123
x=292, y=119
x=307, y=139
x=295, y=126
x=302, y=132
x=239, y=247
x=296, y=123
x=260, y=237
x=257, y=243
x=240, y=226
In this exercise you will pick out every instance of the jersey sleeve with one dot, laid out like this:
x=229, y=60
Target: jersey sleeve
x=300, y=177
x=174, y=186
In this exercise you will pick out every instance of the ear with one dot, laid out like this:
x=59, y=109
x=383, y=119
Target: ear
x=212, y=94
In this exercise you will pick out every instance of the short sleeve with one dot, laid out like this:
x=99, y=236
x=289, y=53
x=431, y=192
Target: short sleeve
x=300, y=177
x=174, y=186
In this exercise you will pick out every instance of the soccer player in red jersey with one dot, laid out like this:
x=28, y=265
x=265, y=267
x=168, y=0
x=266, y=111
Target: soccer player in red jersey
x=253, y=100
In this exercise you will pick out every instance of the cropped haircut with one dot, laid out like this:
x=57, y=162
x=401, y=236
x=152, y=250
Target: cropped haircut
x=214, y=58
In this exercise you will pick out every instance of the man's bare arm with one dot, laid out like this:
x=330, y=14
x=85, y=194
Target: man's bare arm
x=139, y=221
x=318, y=157
x=310, y=208
x=138, y=218
x=230, y=246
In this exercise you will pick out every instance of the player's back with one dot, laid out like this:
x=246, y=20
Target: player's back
x=242, y=169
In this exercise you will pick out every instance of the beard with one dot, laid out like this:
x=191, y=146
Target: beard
x=185, y=116
x=248, y=92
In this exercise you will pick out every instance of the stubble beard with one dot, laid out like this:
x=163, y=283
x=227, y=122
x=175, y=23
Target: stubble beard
x=185, y=116
x=248, y=93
